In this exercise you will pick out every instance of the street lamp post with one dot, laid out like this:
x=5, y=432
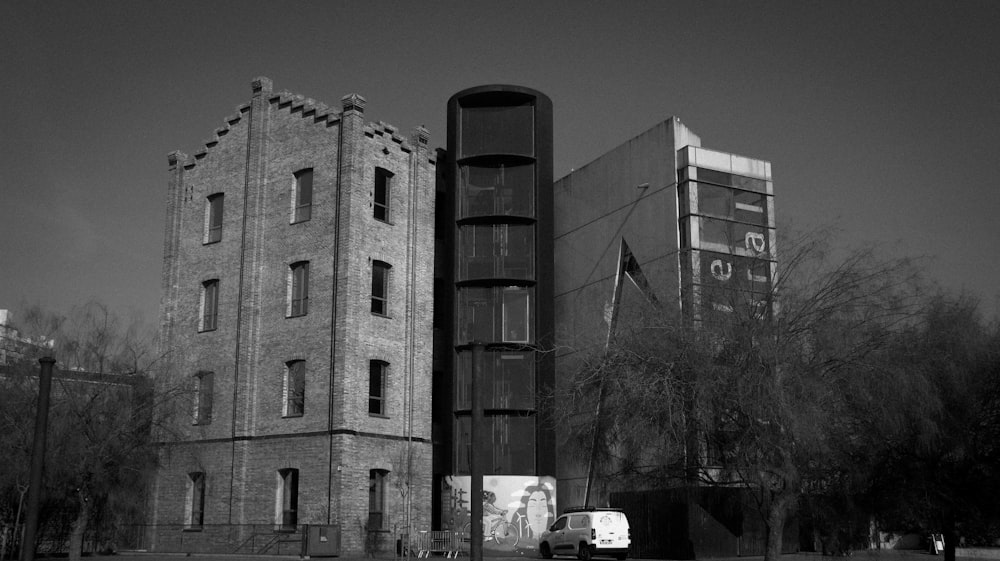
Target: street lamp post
x=37, y=459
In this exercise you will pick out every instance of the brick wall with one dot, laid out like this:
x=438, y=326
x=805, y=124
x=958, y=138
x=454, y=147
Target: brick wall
x=334, y=444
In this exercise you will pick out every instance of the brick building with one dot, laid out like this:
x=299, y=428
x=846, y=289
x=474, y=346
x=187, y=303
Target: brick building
x=297, y=307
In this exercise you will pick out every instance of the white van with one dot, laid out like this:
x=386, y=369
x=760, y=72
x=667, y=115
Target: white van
x=586, y=532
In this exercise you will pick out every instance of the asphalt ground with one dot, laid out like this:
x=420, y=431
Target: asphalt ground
x=864, y=555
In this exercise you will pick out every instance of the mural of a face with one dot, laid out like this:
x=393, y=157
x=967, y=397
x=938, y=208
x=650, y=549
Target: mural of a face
x=537, y=511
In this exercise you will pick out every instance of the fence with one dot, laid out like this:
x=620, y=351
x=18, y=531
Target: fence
x=437, y=542
x=215, y=538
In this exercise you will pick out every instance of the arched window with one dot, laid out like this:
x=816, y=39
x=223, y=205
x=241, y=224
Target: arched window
x=383, y=193
x=302, y=196
x=287, y=500
x=295, y=388
x=298, y=289
x=380, y=287
x=213, y=218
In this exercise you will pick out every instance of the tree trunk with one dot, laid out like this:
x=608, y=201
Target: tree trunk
x=777, y=512
x=79, y=529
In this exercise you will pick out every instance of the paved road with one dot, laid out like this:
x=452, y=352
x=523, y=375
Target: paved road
x=875, y=555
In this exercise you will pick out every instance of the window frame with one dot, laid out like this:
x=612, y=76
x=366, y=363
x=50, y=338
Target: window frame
x=377, y=401
x=376, y=499
x=286, y=505
x=294, y=389
x=215, y=205
x=194, y=512
x=302, y=199
x=382, y=195
x=298, y=289
x=209, y=316
x=380, y=290
x=204, y=397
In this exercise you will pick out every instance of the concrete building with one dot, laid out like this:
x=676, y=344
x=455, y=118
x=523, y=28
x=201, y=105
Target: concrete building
x=657, y=224
x=297, y=307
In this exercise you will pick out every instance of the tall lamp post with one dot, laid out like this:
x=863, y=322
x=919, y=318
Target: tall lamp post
x=476, y=463
x=37, y=459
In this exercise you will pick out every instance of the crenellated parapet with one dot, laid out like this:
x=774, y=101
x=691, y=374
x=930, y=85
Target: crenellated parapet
x=307, y=108
x=319, y=112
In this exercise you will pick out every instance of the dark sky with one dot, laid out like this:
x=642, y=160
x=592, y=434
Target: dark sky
x=881, y=117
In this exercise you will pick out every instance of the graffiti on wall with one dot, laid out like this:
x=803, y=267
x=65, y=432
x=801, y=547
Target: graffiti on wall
x=516, y=509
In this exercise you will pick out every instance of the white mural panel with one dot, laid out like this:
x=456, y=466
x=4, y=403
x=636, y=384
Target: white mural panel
x=516, y=510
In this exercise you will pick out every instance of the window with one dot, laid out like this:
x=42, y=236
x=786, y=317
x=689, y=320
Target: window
x=295, y=388
x=195, y=511
x=210, y=305
x=377, y=373
x=213, y=218
x=492, y=129
x=376, y=498
x=299, y=289
x=287, y=500
x=515, y=315
x=204, y=390
x=496, y=189
x=383, y=190
x=380, y=288
x=303, y=195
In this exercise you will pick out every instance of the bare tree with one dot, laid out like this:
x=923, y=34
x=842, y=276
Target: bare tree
x=750, y=395
x=103, y=412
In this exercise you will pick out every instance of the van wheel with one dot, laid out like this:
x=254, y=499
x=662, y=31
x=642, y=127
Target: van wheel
x=544, y=550
x=584, y=554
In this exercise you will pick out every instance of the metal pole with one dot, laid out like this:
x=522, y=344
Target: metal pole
x=476, y=467
x=37, y=459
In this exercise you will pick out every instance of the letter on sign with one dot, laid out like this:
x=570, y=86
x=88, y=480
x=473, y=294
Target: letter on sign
x=755, y=241
x=722, y=271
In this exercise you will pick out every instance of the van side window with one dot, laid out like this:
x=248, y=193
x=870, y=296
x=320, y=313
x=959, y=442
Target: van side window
x=559, y=524
x=578, y=521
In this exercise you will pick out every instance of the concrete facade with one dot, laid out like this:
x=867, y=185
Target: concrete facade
x=253, y=434
x=631, y=239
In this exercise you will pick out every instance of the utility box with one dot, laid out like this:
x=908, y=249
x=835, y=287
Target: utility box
x=322, y=540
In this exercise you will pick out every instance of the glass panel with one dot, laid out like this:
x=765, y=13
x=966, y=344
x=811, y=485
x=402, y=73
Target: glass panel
x=715, y=201
x=513, y=445
x=303, y=192
x=513, y=380
x=376, y=387
x=735, y=272
x=723, y=178
x=516, y=315
x=753, y=239
x=477, y=259
x=463, y=380
x=476, y=315
x=296, y=387
x=380, y=288
x=751, y=207
x=716, y=232
x=498, y=130
x=383, y=179
x=215, y=203
x=517, y=251
x=463, y=445
x=509, y=378
x=497, y=190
